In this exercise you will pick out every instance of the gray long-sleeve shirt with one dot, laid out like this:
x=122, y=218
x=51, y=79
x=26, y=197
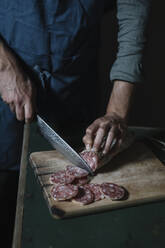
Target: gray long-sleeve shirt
x=132, y=18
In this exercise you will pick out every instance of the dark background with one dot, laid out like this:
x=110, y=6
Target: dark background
x=149, y=100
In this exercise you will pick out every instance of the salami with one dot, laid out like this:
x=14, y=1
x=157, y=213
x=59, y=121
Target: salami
x=69, y=177
x=96, y=159
x=84, y=196
x=113, y=191
x=64, y=192
x=75, y=171
x=91, y=157
x=81, y=181
x=60, y=177
x=96, y=190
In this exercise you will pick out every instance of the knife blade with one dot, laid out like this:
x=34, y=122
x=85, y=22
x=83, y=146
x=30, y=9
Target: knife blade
x=61, y=145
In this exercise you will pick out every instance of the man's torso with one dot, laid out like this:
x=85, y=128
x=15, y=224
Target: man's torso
x=60, y=38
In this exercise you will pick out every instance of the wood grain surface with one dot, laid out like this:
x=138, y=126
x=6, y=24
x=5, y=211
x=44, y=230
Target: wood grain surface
x=137, y=169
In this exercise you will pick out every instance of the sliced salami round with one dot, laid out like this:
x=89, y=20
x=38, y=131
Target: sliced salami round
x=81, y=181
x=113, y=191
x=64, y=192
x=84, y=196
x=91, y=158
x=96, y=190
x=69, y=178
x=75, y=171
x=58, y=178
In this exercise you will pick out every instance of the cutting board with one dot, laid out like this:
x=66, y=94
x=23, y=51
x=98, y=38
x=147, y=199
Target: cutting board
x=137, y=169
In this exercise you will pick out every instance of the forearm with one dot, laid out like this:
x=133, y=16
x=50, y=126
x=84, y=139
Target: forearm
x=120, y=99
x=7, y=58
x=16, y=88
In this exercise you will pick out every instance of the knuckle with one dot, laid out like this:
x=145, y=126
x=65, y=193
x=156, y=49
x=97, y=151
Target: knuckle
x=28, y=98
x=98, y=142
x=103, y=125
x=89, y=131
x=30, y=94
x=27, y=120
x=30, y=90
x=17, y=100
x=112, y=123
x=28, y=116
x=85, y=139
x=19, y=117
x=7, y=101
x=97, y=120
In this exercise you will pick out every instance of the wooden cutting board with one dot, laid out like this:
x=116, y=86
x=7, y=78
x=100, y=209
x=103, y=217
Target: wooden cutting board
x=137, y=169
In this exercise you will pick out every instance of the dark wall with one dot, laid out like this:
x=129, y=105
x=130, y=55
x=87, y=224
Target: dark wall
x=149, y=100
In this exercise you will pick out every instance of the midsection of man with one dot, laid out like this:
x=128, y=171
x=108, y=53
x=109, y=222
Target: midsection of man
x=60, y=40
x=56, y=43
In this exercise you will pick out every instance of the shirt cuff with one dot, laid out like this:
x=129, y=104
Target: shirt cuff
x=127, y=68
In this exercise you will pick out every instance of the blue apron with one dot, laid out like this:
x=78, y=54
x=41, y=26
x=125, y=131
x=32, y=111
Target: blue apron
x=57, y=42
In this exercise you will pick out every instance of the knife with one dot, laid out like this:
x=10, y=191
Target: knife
x=61, y=145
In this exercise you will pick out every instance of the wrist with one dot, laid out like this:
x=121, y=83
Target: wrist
x=7, y=57
x=120, y=99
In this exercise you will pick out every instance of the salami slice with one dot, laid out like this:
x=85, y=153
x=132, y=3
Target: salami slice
x=81, y=181
x=75, y=171
x=96, y=190
x=84, y=197
x=91, y=157
x=64, y=192
x=113, y=191
x=69, y=177
x=58, y=178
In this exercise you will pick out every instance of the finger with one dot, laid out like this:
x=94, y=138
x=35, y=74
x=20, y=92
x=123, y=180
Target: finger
x=122, y=130
x=89, y=136
x=110, y=138
x=116, y=148
x=12, y=107
x=29, y=111
x=19, y=110
x=101, y=132
x=120, y=141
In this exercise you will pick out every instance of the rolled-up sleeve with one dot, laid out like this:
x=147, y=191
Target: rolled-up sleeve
x=132, y=18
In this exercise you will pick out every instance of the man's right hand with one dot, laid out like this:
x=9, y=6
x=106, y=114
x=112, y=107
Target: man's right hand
x=16, y=88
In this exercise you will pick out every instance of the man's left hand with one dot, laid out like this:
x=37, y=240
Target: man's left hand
x=104, y=132
x=111, y=128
